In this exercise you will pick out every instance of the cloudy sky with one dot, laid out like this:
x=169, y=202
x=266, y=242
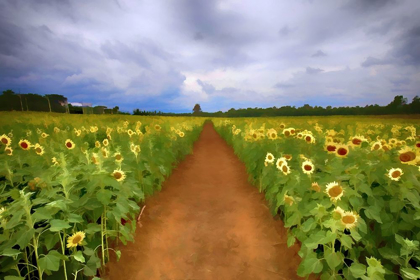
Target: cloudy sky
x=168, y=55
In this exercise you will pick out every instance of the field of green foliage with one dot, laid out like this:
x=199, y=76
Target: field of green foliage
x=70, y=185
x=346, y=188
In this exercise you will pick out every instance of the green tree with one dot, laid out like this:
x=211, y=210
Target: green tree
x=197, y=109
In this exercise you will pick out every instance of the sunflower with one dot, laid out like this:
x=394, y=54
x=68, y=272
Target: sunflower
x=118, y=175
x=5, y=140
x=39, y=149
x=285, y=169
x=309, y=138
x=118, y=157
x=376, y=146
x=108, y=130
x=395, y=174
x=76, y=239
x=330, y=148
x=92, y=129
x=315, y=187
x=25, y=144
x=349, y=219
x=286, y=132
x=95, y=159
x=56, y=130
x=8, y=150
x=130, y=132
x=288, y=157
x=44, y=135
x=269, y=158
x=342, y=150
x=356, y=141
x=78, y=132
x=70, y=144
x=292, y=131
x=407, y=156
x=280, y=162
x=97, y=144
x=105, y=142
x=308, y=167
x=334, y=191
x=105, y=153
x=54, y=161
x=157, y=127
x=338, y=213
x=282, y=126
x=417, y=145
x=288, y=199
x=181, y=134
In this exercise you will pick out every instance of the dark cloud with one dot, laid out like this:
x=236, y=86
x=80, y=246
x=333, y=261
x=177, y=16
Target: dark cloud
x=198, y=36
x=319, y=53
x=407, y=46
x=284, y=31
x=283, y=85
x=367, y=6
x=310, y=70
x=371, y=61
x=207, y=88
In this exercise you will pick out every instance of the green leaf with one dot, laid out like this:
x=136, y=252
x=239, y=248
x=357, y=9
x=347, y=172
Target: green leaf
x=374, y=213
x=358, y=269
x=346, y=241
x=307, y=225
x=92, y=228
x=25, y=237
x=9, y=252
x=13, y=278
x=75, y=218
x=118, y=252
x=410, y=273
x=291, y=241
x=58, y=225
x=333, y=259
x=43, y=214
x=49, y=262
x=104, y=196
x=356, y=236
x=78, y=256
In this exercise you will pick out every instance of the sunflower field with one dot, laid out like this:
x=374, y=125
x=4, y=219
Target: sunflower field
x=71, y=186
x=346, y=188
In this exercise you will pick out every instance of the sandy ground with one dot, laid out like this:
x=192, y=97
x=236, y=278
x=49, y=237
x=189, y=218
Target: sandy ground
x=208, y=222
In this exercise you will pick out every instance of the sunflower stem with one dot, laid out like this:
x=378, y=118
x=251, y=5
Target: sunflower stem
x=64, y=253
x=102, y=240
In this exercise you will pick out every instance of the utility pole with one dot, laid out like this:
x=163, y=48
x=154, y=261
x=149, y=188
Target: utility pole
x=49, y=104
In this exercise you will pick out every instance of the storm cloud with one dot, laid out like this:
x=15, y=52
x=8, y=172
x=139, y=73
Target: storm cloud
x=170, y=55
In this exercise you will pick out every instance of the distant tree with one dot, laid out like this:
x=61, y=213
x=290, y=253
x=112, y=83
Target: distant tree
x=115, y=110
x=197, y=109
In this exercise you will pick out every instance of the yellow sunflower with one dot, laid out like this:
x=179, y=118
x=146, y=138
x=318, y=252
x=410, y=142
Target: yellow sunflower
x=338, y=213
x=157, y=127
x=285, y=169
x=288, y=199
x=119, y=175
x=130, y=132
x=25, y=144
x=315, y=187
x=118, y=157
x=70, y=144
x=408, y=156
x=269, y=158
x=105, y=153
x=342, y=150
x=105, y=142
x=309, y=138
x=97, y=144
x=181, y=134
x=5, y=140
x=56, y=130
x=286, y=132
x=78, y=132
x=395, y=174
x=39, y=149
x=8, y=151
x=95, y=159
x=375, y=146
x=288, y=157
x=349, y=219
x=330, y=148
x=308, y=167
x=334, y=191
x=76, y=239
x=280, y=162
x=44, y=135
x=54, y=161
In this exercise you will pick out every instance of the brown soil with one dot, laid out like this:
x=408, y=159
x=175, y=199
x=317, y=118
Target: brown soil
x=208, y=222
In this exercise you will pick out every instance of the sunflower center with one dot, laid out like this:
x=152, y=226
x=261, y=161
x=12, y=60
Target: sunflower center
x=349, y=219
x=77, y=239
x=273, y=135
x=335, y=191
x=342, y=151
x=292, y=131
x=331, y=148
x=408, y=156
x=284, y=168
x=418, y=145
x=118, y=157
x=270, y=157
x=396, y=174
x=308, y=138
x=8, y=151
x=356, y=141
x=287, y=133
x=117, y=175
x=69, y=145
x=38, y=150
x=4, y=141
x=24, y=145
x=307, y=167
x=376, y=147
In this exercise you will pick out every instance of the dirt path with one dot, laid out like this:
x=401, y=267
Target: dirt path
x=208, y=222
